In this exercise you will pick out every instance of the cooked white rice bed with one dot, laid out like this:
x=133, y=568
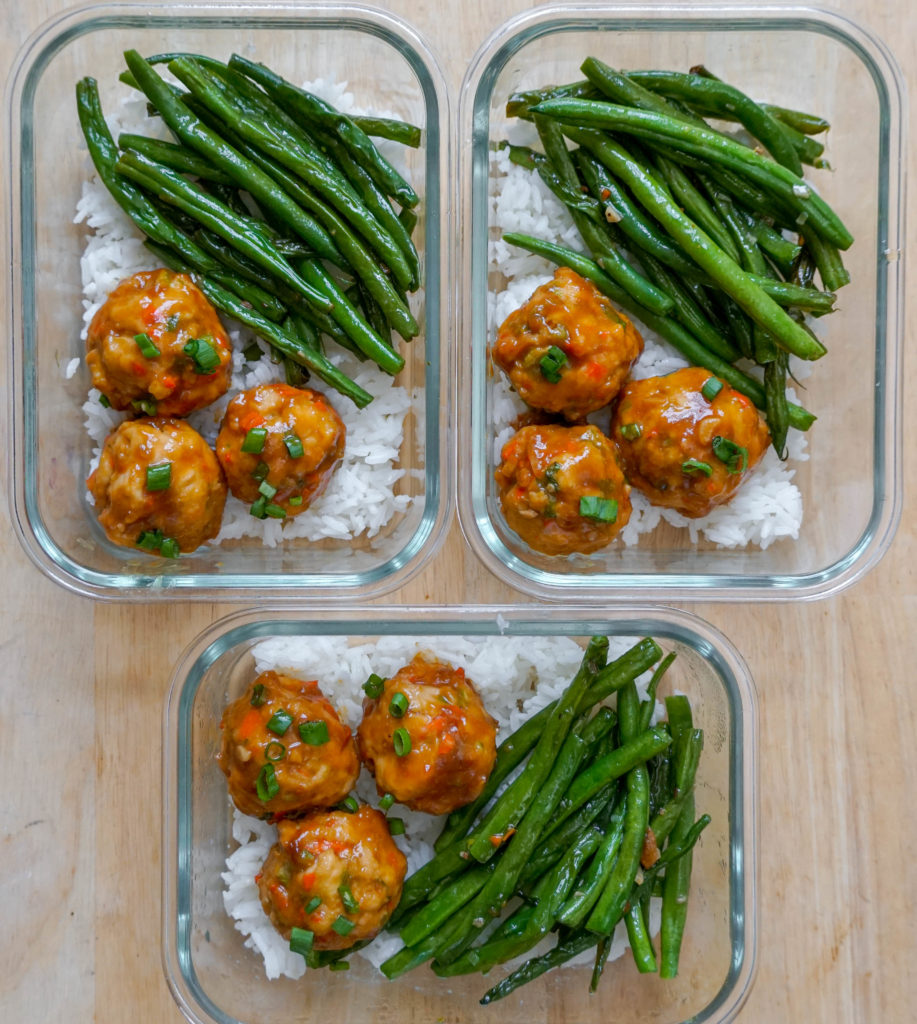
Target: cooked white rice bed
x=360, y=497
x=515, y=676
x=767, y=507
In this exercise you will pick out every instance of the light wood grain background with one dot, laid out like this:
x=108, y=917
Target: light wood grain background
x=82, y=690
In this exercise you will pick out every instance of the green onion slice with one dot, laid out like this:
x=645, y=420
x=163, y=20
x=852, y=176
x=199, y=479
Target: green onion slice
x=386, y=802
x=398, y=705
x=203, y=354
x=268, y=490
x=339, y=965
x=605, y=510
x=396, y=826
x=631, y=431
x=343, y=927
x=258, y=697
x=351, y=905
x=294, y=446
x=313, y=904
x=275, y=751
x=159, y=476
x=551, y=364
x=301, y=941
x=259, y=507
x=712, y=387
x=147, y=349
x=261, y=471
x=169, y=548
x=253, y=443
x=696, y=466
x=274, y=511
x=314, y=732
x=280, y=721
x=295, y=501
x=266, y=785
x=104, y=401
x=150, y=540
x=349, y=804
x=144, y=405
x=173, y=321
x=401, y=739
x=374, y=686
x=733, y=455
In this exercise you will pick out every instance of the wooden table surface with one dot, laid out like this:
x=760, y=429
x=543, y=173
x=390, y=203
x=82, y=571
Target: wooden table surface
x=82, y=693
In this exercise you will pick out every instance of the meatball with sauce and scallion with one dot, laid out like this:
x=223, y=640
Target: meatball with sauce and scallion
x=284, y=749
x=156, y=346
x=426, y=736
x=687, y=440
x=561, y=488
x=158, y=487
x=567, y=350
x=335, y=876
x=279, y=447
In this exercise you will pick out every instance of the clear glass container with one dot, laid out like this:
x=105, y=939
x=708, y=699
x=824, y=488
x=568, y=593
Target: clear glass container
x=214, y=978
x=851, y=484
x=388, y=67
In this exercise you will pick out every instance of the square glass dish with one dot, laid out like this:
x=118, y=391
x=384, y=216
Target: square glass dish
x=388, y=69
x=851, y=483
x=215, y=978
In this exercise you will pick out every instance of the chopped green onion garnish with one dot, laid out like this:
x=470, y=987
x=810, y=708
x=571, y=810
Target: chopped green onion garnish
x=396, y=826
x=294, y=446
x=205, y=357
x=169, y=548
x=268, y=490
x=398, y=705
x=347, y=898
x=374, y=686
x=342, y=926
x=159, y=476
x=258, y=507
x=275, y=511
x=147, y=349
x=280, y=721
x=401, y=739
x=349, y=804
x=150, y=540
x=257, y=695
x=314, y=732
x=696, y=466
x=551, y=364
x=266, y=785
x=104, y=401
x=253, y=444
x=339, y=965
x=295, y=501
x=631, y=431
x=144, y=405
x=261, y=471
x=252, y=353
x=605, y=510
x=712, y=387
x=275, y=751
x=386, y=802
x=301, y=941
x=733, y=455
x=313, y=904
x=172, y=322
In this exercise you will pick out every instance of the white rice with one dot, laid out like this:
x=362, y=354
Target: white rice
x=515, y=677
x=768, y=506
x=360, y=497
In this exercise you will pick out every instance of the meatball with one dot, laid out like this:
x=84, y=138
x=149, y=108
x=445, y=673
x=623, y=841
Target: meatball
x=446, y=742
x=157, y=346
x=687, y=440
x=567, y=350
x=285, y=750
x=561, y=488
x=278, y=446
x=333, y=873
x=158, y=486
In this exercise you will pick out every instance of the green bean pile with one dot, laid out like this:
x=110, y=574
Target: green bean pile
x=566, y=835
x=686, y=226
x=282, y=187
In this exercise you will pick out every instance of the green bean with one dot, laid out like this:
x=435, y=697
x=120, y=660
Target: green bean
x=628, y=90
x=566, y=949
x=641, y=946
x=519, y=102
x=583, y=898
x=450, y=899
x=806, y=124
x=675, y=888
x=781, y=250
x=710, y=145
x=179, y=158
x=666, y=327
x=688, y=747
x=777, y=406
x=389, y=128
x=831, y=267
x=602, y=949
x=695, y=205
x=648, y=706
x=194, y=133
x=299, y=103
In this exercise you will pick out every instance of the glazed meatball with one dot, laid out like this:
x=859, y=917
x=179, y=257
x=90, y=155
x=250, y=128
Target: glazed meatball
x=285, y=750
x=335, y=874
x=157, y=346
x=567, y=350
x=561, y=488
x=158, y=486
x=687, y=440
x=278, y=446
x=450, y=742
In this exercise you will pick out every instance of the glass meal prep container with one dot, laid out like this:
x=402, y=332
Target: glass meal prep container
x=388, y=69
x=851, y=483
x=214, y=978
